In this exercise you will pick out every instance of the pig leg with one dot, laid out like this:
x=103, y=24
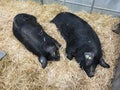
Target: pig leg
x=103, y=63
x=70, y=53
x=43, y=61
x=69, y=56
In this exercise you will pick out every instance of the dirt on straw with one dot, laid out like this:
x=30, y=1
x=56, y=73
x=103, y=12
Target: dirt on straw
x=21, y=70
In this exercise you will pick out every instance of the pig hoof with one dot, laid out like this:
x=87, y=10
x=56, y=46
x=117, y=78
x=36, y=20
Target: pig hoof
x=104, y=64
x=69, y=57
x=92, y=75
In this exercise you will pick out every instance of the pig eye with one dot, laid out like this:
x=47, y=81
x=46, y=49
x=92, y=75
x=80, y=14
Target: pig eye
x=56, y=52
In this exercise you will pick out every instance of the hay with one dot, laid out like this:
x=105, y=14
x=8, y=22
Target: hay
x=21, y=70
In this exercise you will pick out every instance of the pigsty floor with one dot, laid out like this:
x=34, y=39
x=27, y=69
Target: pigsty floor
x=21, y=70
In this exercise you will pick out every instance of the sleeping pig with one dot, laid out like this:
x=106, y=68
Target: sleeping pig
x=30, y=33
x=82, y=42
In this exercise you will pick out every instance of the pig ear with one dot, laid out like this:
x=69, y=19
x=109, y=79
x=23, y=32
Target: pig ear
x=89, y=57
x=103, y=63
x=43, y=61
x=34, y=18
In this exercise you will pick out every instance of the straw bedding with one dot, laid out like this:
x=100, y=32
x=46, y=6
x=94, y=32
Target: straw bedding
x=21, y=70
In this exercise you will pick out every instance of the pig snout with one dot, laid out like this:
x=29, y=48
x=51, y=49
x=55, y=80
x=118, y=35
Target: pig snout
x=90, y=71
x=90, y=74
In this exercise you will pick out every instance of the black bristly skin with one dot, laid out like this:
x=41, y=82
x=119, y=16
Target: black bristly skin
x=30, y=33
x=82, y=42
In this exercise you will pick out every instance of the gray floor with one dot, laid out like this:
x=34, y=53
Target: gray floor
x=110, y=7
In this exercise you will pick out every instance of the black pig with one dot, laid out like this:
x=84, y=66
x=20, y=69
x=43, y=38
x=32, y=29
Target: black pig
x=82, y=42
x=30, y=33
